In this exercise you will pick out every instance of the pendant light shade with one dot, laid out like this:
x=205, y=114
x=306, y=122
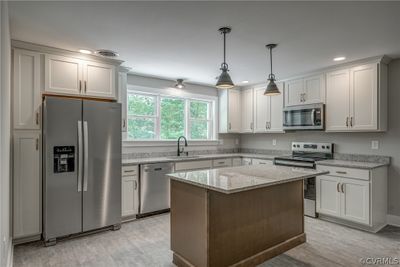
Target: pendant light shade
x=272, y=88
x=224, y=80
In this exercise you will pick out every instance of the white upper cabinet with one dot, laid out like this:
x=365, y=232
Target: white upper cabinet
x=71, y=76
x=26, y=91
x=247, y=111
x=63, y=75
x=337, y=100
x=357, y=99
x=99, y=79
x=229, y=111
x=364, y=97
x=294, y=90
x=268, y=111
x=305, y=90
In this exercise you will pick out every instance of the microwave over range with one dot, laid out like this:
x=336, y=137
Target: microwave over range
x=306, y=117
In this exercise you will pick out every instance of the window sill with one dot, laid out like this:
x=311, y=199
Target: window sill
x=131, y=143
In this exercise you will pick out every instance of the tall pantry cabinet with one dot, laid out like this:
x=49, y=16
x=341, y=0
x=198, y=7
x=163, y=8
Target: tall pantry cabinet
x=38, y=71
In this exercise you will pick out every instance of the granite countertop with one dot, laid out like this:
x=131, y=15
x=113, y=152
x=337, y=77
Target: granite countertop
x=243, y=178
x=197, y=157
x=352, y=164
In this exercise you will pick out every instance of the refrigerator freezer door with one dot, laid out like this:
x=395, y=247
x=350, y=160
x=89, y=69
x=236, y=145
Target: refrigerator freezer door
x=102, y=177
x=62, y=199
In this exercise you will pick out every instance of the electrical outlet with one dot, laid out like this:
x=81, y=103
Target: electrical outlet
x=375, y=144
x=274, y=142
x=237, y=141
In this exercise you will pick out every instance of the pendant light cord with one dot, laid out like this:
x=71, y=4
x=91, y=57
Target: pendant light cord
x=224, y=48
x=270, y=56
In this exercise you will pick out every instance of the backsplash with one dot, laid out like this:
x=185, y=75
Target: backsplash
x=173, y=153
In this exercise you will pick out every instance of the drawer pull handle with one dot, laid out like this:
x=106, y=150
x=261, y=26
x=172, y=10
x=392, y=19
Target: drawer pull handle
x=342, y=188
x=135, y=185
x=221, y=162
x=341, y=172
x=37, y=118
x=130, y=171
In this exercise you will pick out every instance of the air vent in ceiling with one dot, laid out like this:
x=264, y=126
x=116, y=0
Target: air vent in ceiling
x=107, y=53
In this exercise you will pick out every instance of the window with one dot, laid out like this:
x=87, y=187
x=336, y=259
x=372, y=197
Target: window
x=164, y=117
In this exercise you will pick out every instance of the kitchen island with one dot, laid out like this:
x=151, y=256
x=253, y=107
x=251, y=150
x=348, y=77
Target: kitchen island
x=238, y=216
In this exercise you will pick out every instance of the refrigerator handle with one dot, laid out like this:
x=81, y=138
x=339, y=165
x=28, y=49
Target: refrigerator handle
x=80, y=158
x=86, y=156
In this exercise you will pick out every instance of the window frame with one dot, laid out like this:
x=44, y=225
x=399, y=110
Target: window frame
x=212, y=119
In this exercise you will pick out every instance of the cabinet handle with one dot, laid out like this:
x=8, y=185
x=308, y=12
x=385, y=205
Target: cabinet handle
x=266, y=125
x=347, y=121
x=80, y=86
x=85, y=86
x=129, y=171
x=342, y=187
x=341, y=172
x=135, y=184
x=251, y=126
x=37, y=144
x=123, y=123
x=37, y=118
x=351, y=121
x=337, y=187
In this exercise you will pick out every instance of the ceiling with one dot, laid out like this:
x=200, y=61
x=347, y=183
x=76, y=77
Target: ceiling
x=180, y=39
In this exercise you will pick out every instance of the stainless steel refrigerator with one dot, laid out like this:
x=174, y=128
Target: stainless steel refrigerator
x=81, y=166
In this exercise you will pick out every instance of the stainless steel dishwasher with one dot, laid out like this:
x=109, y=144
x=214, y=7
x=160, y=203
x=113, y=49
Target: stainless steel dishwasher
x=154, y=188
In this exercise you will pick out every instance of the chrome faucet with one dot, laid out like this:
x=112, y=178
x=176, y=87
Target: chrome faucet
x=179, y=149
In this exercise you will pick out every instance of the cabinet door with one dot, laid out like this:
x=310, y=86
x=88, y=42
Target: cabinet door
x=364, y=97
x=130, y=199
x=276, y=113
x=337, y=100
x=328, y=195
x=355, y=200
x=262, y=162
x=247, y=111
x=27, y=184
x=63, y=75
x=262, y=111
x=293, y=92
x=236, y=162
x=26, y=93
x=234, y=111
x=314, y=89
x=99, y=79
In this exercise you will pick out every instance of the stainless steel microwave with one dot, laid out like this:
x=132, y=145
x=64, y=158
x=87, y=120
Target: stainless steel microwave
x=306, y=117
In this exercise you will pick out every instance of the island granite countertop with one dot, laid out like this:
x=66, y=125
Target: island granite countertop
x=243, y=178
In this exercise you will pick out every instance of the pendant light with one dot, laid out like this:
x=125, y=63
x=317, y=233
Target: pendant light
x=272, y=89
x=224, y=80
x=179, y=84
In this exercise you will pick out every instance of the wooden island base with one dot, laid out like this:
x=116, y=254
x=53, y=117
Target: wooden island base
x=209, y=228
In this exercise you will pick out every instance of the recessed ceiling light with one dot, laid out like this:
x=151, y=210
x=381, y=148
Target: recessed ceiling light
x=245, y=81
x=179, y=84
x=339, y=58
x=85, y=51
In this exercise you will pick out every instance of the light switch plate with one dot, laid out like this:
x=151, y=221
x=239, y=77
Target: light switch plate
x=274, y=142
x=375, y=144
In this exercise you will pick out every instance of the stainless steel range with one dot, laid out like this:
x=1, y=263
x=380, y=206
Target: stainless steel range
x=305, y=155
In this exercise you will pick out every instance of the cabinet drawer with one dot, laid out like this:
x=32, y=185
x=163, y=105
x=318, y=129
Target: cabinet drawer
x=236, y=161
x=222, y=162
x=262, y=162
x=129, y=170
x=193, y=165
x=346, y=172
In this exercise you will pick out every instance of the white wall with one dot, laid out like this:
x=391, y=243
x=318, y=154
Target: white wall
x=5, y=144
x=353, y=143
x=226, y=141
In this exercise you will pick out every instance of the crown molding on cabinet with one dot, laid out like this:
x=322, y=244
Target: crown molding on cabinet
x=63, y=52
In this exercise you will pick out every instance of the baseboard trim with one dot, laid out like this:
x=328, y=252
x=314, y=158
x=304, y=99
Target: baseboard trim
x=10, y=258
x=393, y=220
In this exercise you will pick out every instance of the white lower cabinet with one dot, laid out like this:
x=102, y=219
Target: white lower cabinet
x=262, y=162
x=345, y=195
x=130, y=191
x=221, y=163
x=193, y=165
x=27, y=184
x=236, y=162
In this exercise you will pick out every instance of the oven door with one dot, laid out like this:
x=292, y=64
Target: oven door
x=307, y=117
